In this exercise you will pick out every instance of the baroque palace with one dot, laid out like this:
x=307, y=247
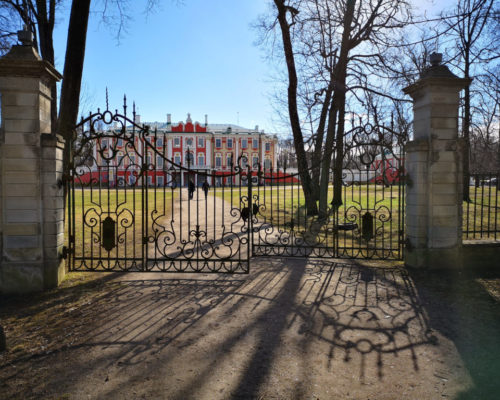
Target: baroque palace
x=210, y=148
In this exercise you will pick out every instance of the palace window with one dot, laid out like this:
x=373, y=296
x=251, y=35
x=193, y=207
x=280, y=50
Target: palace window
x=244, y=143
x=177, y=159
x=189, y=142
x=201, y=160
x=159, y=142
x=256, y=143
x=159, y=181
x=119, y=142
x=267, y=163
x=218, y=143
x=244, y=161
x=229, y=160
x=268, y=146
x=159, y=162
x=189, y=158
x=201, y=142
x=177, y=141
x=218, y=161
x=255, y=162
x=229, y=143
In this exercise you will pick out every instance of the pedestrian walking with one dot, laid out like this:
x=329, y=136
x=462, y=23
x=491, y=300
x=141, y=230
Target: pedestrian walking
x=191, y=189
x=205, y=188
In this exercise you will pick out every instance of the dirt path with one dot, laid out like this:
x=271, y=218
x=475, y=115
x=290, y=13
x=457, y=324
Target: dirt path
x=198, y=229
x=291, y=329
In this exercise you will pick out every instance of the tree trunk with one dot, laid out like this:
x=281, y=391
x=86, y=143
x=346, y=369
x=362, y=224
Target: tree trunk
x=466, y=137
x=339, y=159
x=45, y=36
x=320, y=134
x=73, y=69
x=298, y=138
x=327, y=159
x=337, y=111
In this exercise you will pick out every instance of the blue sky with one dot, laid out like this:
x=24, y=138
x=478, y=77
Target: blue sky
x=194, y=56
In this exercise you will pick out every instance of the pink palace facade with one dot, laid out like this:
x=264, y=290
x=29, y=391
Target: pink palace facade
x=204, y=147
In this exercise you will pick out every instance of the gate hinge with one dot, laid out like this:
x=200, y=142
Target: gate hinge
x=406, y=243
x=64, y=253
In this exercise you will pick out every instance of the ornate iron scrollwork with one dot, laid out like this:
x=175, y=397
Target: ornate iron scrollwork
x=108, y=233
x=367, y=226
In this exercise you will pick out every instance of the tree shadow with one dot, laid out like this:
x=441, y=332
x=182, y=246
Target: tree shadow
x=462, y=310
x=372, y=312
x=182, y=327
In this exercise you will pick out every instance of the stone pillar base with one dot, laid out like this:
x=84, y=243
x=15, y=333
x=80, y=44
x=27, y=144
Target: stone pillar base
x=449, y=258
x=30, y=277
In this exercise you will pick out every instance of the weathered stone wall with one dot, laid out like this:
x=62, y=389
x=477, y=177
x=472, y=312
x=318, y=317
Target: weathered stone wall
x=31, y=201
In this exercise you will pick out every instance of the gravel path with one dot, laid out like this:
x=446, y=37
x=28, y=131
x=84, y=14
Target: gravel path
x=291, y=329
x=203, y=229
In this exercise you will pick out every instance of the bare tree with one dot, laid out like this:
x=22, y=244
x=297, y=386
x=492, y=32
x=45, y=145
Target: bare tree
x=467, y=27
x=325, y=44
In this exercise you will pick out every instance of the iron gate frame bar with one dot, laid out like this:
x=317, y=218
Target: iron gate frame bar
x=242, y=260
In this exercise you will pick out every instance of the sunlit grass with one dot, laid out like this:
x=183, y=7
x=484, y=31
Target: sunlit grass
x=283, y=207
x=126, y=207
x=481, y=217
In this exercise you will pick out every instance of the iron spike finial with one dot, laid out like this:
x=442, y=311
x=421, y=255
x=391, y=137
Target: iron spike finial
x=107, y=99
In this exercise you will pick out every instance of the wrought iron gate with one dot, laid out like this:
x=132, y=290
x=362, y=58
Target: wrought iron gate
x=370, y=222
x=132, y=208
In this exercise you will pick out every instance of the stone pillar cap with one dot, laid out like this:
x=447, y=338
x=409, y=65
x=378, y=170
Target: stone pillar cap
x=437, y=74
x=23, y=60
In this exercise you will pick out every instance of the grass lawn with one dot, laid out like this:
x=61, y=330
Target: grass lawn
x=281, y=207
x=125, y=207
x=482, y=214
x=284, y=208
x=284, y=203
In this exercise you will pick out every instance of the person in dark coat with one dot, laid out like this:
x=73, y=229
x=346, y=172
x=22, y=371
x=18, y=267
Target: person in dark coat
x=205, y=188
x=191, y=189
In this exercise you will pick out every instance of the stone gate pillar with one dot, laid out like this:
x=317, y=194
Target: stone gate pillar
x=433, y=165
x=31, y=193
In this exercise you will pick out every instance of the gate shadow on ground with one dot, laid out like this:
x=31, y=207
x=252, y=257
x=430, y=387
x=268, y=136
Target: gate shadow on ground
x=462, y=310
x=369, y=311
x=337, y=312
